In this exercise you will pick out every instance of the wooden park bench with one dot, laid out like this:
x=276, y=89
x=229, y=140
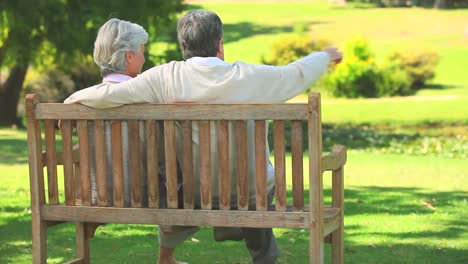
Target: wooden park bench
x=52, y=203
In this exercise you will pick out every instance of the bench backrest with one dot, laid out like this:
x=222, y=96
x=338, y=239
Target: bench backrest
x=48, y=149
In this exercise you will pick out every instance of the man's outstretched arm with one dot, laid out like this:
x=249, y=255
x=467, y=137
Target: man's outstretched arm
x=281, y=83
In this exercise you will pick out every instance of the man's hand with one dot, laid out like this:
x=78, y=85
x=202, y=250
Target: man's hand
x=335, y=55
x=60, y=124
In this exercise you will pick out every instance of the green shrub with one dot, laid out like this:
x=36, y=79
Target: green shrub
x=55, y=85
x=352, y=79
x=290, y=48
x=420, y=65
x=359, y=49
x=85, y=74
x=359, y=75
x=356, y=75
x=392, y=80
x=52, y=86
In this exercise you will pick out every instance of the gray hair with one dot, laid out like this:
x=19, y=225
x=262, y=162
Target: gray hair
x=199, y=32
x=114, y=38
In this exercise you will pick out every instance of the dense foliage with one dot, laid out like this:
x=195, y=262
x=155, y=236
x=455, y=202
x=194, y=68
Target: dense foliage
x=290, y=48
x=426, y=138
x=55, y=32
x=359, y=75
x=419, y=64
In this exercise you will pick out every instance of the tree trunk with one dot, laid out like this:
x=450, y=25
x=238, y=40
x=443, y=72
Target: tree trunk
x=379, y=3
x=440, y=4
x=9, y=96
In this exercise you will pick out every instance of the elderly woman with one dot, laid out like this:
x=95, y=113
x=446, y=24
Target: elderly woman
x=119, y=49
x=119, y=53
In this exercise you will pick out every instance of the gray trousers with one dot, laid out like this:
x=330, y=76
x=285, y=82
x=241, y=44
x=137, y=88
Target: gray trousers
x=260, y=242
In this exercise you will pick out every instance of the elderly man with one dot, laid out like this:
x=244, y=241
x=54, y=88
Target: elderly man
x=204, y=76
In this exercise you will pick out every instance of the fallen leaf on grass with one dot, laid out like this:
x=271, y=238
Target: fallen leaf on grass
x=428, y=205
x=350, y=250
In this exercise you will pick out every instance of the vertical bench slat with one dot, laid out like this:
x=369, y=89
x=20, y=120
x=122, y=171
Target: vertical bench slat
x=171, y=163
x=135, y=157
x=223, y=165
x=77, y=182
x=187, y=165
x=316, y=243
x=117, y=170
x=77, y=173
x=40, y=172
x=83, y=136
x=39, y=228
x=242, y=166
x=67, y=152
x=297, y=164
x=260, y=166
x=280, y=172
x=143, y=163
x=51, y=154
x=205, y=165
x=152, y=163
x=101, y=162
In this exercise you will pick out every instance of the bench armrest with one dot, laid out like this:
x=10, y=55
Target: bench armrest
x=335, y=159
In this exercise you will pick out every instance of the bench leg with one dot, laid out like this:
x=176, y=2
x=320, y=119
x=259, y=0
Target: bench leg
x=337, y=245
x=82, y=242
x=39, y=241
x=338, y=201
x=316, y=245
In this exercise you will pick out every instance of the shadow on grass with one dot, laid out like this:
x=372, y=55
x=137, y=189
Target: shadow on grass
x=360, y=136
x=113, y=243
x=353, y=136
x=436, y=86
x=374, y=200
x=13, y=151
x=238, y=31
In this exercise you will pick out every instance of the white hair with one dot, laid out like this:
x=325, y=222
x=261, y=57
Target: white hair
x=113, y=40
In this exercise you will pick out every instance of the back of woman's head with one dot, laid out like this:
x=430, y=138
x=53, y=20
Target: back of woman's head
x=113, y=40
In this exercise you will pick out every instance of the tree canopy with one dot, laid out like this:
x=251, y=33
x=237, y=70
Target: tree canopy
x=46, y=32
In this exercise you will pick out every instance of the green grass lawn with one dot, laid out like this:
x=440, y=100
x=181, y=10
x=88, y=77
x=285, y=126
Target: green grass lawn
x=399, y=209
x=390, y=111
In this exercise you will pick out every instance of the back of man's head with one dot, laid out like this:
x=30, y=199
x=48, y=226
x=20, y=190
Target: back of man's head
x=199, y=33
